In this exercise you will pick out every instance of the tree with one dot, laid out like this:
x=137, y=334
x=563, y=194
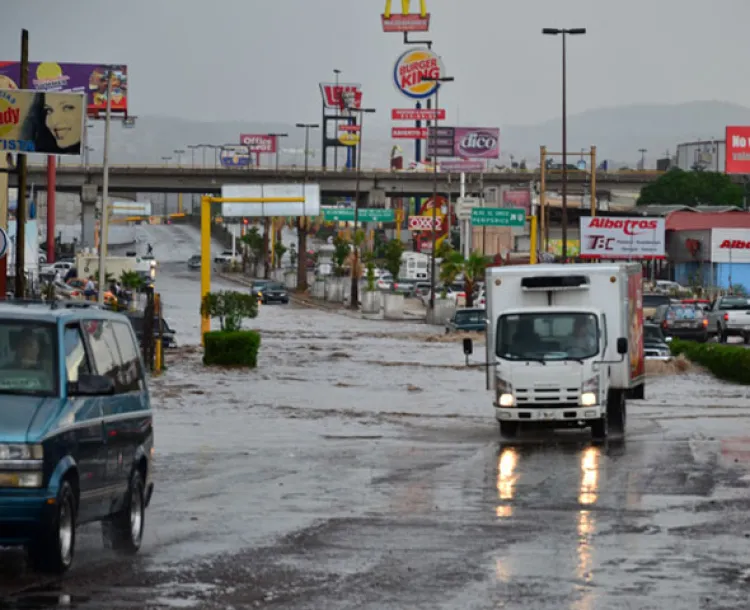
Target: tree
x=678, y=187
x=474, y=268
x=341, y=251
x=230, y=308
x=131, y=280
x=279, y=251
x=254, y=242
x=393, y=251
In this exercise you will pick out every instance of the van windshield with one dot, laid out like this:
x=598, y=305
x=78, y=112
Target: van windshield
x=547, y=336
x=28, y=353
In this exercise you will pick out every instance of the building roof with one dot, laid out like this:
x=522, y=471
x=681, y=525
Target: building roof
x=682, y=220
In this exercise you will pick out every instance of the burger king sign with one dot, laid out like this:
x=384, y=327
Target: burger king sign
x=412, y=67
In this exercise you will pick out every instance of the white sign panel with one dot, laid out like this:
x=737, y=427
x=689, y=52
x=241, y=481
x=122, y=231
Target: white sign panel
x=131, y=208
x=730, y=245
x=636, y=237
x=310, y=207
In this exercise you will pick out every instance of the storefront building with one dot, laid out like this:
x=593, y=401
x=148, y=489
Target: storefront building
x=710, y=249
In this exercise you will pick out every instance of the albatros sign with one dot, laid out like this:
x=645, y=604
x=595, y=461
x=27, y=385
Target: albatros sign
x=730, y=245
x=622, y=238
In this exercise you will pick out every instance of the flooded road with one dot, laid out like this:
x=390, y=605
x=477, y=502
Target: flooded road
x=360, y=467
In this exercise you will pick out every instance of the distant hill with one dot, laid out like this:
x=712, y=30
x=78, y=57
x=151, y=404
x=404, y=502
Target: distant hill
x=617, y=132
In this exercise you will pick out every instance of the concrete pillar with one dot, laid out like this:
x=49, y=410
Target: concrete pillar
x=376, y=198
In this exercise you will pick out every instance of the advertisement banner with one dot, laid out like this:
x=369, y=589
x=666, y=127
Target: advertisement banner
x=461, y=166
x=416, y=114
x=414, y=65
x=635, y=319
x=331, y=93
x=47, y=123
x=730, y=246
x=517, y=199
x=90, y=79
x=409, y=133
x=441, y=142
x=572, y=248
x=406, y=21
x=258, y=143
x=234, y=156
x=477, y=142
x=350, y=128
x=622, y=238
x=131, y=208
x=737, y=157
x=310, y=206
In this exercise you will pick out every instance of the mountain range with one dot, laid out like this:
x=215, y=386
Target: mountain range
x=618, y=133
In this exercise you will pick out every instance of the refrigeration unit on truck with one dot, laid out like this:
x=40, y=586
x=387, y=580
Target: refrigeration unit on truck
x=564, y=345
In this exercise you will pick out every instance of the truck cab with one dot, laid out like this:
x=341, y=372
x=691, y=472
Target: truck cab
x=564, y=345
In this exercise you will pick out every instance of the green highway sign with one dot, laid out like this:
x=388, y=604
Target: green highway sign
x=365, y=215
x=498, y=217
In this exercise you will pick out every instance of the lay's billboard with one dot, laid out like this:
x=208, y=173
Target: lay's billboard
x=411, y=67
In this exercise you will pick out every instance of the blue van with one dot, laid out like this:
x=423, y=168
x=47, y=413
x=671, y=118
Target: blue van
x=76, y=431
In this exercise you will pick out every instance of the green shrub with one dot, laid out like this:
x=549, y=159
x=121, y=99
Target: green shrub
x=229, y=307
x=231, y=348
x=728, y=362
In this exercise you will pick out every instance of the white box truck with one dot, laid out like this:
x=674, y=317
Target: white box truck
x=564, y=345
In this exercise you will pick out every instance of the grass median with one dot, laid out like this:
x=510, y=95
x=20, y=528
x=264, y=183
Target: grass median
x=728, y=362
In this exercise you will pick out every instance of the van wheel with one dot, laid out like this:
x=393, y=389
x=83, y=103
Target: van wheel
x=600, y=429
x=746, y=338
x=52, y=552
x=616, y=411
x=508, y=429
x=124, y=531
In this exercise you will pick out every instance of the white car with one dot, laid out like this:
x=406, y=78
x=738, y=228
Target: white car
x=385, y=282
x=227, y=256
x=61, y=266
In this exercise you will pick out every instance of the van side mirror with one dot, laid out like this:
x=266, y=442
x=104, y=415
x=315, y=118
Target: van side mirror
x=468, y=347
x=92, y=385
x=622, y=346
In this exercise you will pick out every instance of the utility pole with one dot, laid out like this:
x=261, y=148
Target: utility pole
x=301, y=220
x=104, y=220
x=20, y=271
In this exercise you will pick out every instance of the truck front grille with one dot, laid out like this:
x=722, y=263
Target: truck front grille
x=557, y=397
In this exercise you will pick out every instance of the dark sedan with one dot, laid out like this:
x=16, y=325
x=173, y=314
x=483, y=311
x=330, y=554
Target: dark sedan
x=194, y=262
x=655, y=346
x=467, y=320
x=683, y=322
x=274, y=293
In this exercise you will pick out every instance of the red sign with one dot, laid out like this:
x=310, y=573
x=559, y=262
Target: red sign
x=735, y=244
x=409, y=133
x=462, y=166
x=518, y=199
x=414, y=114
x=350, y=128
x=259, y=143
x=737, y=159
x=406, y=23
x=331, y=93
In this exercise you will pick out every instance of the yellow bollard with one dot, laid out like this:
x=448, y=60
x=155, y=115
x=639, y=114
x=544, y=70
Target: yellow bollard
x=157, y=356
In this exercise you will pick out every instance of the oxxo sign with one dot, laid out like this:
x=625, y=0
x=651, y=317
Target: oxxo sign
x=622, y=238
x=730, y=245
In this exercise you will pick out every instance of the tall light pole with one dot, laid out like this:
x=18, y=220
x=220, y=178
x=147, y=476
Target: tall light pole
x=179, y=152
x=564, y=32
x=336, y=73
x=301, y=220
x=643, y=152
x=438, y=80
x=104, y=221
x=354, y=304
x=166, y=160
x=276, y=136
x=192, y=148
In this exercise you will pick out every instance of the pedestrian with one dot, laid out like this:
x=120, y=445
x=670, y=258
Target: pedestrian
x=149, y=250
x=89, y=290
x=71, y=274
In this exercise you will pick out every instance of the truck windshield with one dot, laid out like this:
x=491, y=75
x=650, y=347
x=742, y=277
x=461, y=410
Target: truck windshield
x=27, y=358
x=547, y=336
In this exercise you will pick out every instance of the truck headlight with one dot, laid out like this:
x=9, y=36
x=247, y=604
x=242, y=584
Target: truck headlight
x=588, y=399
x=506, y=400
x=21, y=452
x=504, y=393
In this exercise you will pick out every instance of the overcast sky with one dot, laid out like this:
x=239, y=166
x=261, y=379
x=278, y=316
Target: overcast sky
x=263, y=59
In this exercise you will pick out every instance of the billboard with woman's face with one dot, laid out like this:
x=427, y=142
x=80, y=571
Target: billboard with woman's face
x=47, y=123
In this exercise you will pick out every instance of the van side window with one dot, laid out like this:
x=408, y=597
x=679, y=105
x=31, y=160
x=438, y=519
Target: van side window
x=76, y=360
x=103, y=345
x=132, y=374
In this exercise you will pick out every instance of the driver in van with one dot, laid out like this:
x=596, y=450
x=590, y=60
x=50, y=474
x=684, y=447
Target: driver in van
x=29, y=352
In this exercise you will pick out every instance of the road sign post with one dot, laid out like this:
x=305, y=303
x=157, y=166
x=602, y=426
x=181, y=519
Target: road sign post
x=364, y=214
x=498, y=217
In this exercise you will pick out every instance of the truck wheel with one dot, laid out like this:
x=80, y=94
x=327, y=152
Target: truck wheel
x=616, y=410
x=509, y=429
x=53, y=550
x=600, y=429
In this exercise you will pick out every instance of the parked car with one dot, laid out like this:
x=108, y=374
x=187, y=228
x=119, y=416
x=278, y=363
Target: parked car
x=194, y=262
x=467, y=320
x=682, y=322
x=655, y=345
x=384, y=282
x=405, y=287
x=275, y=292
x=420, y=289
x=62, y=267
x=257, y=288
x=651, y=303
x=227, y=256
x=76, y=438
x=137, y=319
x=730, y=317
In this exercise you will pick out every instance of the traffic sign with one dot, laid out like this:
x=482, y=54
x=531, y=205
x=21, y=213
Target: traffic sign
x=498, y=217
x=4, y=242
x=465, y=205
x=364, y=215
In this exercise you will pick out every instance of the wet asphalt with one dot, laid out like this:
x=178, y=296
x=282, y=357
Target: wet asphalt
x=360, y=467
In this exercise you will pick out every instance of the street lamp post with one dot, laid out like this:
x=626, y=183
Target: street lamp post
x=192, y=148
x=276, y=136
x=336, y=73
x=354, y=304
x=104, y=220
x=179, y=152
x=564, y=33
x=438, y=80
x=301, y=220
x=166, y=160
x=643, y=152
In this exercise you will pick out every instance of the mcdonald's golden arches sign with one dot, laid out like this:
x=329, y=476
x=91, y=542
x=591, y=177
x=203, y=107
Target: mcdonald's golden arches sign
x=406, y=21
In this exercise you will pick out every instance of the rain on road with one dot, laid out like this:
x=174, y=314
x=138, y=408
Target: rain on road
x=360, y=467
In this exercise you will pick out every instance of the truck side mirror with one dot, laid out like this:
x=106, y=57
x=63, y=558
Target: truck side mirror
x=468, y=347
x=622, y=346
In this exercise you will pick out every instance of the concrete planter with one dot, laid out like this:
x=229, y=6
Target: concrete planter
x=318, y=289
x=334, y=290
x=290, y=279
x=372, y=301
x=444, y=310
x=393, y=306
x=278, y=275
x=310, y=277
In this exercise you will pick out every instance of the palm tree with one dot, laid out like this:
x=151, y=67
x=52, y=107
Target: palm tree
x=473, y=269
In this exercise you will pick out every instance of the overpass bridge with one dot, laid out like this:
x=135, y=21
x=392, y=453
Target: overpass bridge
x=339, y=183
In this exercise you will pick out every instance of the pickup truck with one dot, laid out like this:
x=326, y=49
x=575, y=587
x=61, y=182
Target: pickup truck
x=227, y=257
x=729, y=316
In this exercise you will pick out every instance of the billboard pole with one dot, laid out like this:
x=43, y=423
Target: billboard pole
x=104, y=220
x=20, y=248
